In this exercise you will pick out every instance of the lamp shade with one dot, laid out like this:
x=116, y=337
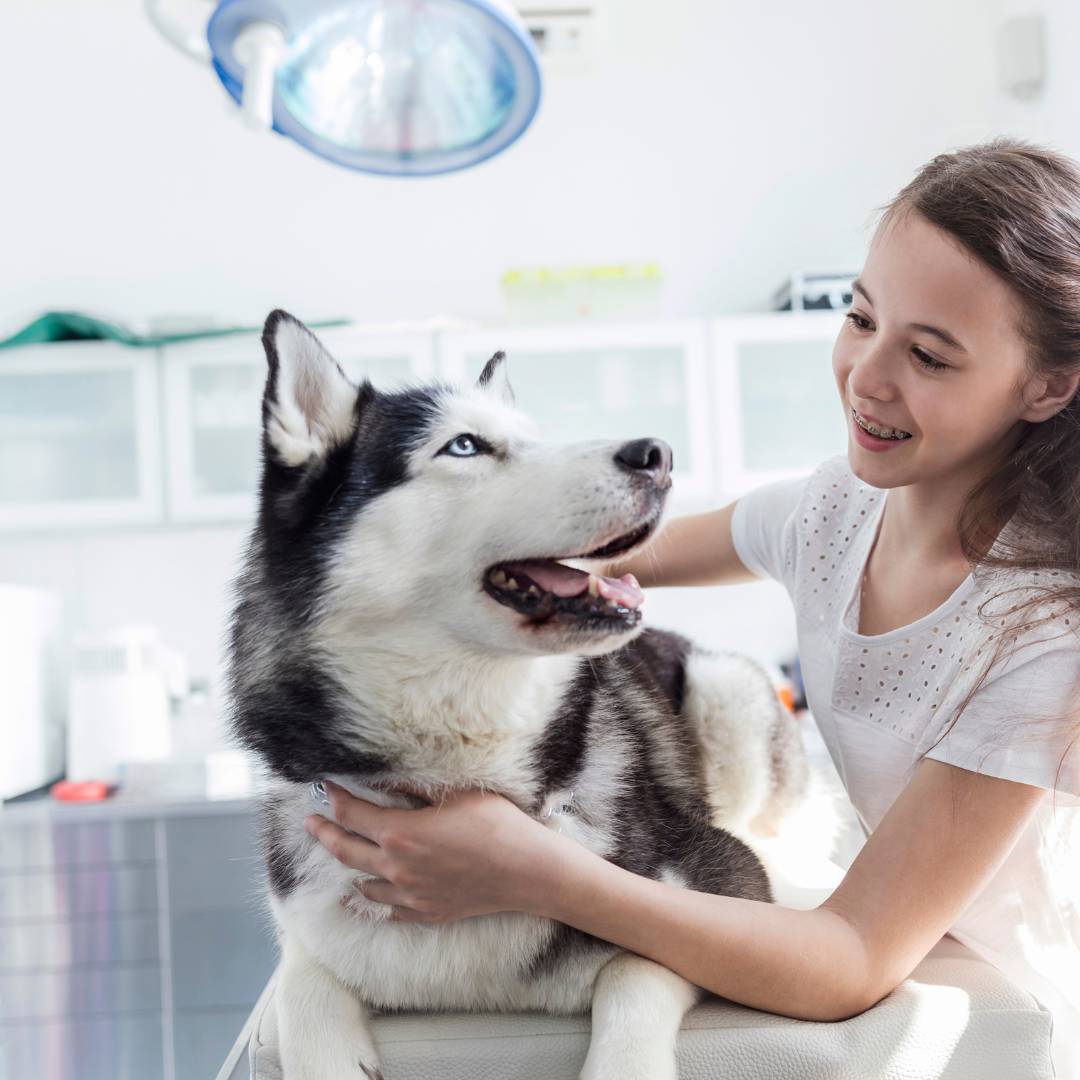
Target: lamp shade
x=401, y=87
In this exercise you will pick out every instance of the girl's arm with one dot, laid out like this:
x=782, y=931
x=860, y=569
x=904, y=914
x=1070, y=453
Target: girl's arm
x=938, y=845
x=692, y=550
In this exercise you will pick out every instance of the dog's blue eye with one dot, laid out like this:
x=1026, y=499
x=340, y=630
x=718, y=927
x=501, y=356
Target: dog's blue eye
x=463, y=446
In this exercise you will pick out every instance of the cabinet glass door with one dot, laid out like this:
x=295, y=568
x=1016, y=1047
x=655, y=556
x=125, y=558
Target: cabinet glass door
x=78, y=436
x=604, y=381
x=224, y=418
x=214, y=401
x=777, y=407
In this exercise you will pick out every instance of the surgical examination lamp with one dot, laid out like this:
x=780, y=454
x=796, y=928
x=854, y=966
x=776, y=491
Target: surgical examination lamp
x=399, y=87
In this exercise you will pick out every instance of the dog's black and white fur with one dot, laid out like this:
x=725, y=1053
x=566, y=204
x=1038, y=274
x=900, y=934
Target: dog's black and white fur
x=375, y=642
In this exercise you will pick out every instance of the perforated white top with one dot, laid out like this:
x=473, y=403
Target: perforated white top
x=881, y=701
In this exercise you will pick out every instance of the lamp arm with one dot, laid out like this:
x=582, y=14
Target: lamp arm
x=184, y=37
x=259, y=48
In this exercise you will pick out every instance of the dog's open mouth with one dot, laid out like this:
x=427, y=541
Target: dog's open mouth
x=546, y=589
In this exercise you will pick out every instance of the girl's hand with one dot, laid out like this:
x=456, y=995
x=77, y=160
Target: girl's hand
x=472, y=854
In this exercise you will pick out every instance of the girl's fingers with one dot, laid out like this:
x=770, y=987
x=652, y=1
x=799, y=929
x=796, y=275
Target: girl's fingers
x=357, y=815
x=383, y=892
x=378, y=891
x=404, y=914
x=353, y=851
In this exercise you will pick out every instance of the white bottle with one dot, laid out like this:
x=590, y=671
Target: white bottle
x=119, y=709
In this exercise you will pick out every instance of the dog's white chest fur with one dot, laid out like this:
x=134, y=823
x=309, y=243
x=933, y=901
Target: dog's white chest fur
x=477, y=963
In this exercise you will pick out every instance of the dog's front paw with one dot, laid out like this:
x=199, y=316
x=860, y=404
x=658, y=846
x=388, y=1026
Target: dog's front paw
x=639, y=1063
x=371, y=1072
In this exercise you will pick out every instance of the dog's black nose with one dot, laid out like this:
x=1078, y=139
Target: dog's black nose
x=652, y=456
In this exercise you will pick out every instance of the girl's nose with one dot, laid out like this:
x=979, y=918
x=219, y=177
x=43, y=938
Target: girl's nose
x=871, y=377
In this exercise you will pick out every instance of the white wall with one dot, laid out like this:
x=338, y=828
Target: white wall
x=1053, y=117
x=729, y=143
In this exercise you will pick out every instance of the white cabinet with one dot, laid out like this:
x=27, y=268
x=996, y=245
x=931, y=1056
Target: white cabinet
x=605, y=381
x=742, y=400
x=79, y=436
x=213, y=394
x=776, y=407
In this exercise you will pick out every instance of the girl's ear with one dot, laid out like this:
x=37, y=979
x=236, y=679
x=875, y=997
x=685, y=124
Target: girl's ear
x=1047, y=395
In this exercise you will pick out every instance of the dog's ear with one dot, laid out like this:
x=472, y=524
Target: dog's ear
x=495, y=379
x=309, y=406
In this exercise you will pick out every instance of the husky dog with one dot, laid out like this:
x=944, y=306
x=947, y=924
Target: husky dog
x=407, y=614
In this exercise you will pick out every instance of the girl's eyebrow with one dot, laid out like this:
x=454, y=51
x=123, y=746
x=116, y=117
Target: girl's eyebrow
x=944, y=335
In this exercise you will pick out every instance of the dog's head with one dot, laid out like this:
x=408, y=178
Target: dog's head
x=436, y=515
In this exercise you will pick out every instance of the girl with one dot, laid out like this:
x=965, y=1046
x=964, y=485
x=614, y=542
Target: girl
x=935, y=574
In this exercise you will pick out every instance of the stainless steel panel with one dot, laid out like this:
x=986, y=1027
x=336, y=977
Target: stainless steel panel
x=105, y=1048
x=213, y=863
x=33, y=995
x=220, y=958
x=85, y=843
x=203, y=1041
x=45, y=894
x=131, y=939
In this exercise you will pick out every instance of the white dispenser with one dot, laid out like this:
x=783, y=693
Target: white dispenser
x=119, y=703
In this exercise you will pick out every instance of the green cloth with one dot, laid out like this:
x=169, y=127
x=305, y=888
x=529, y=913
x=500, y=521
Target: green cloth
x=71, y=326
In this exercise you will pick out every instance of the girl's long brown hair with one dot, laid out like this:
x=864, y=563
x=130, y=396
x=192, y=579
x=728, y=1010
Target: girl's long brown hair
x=1016, y=208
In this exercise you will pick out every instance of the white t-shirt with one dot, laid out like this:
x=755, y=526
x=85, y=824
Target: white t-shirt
x=881, y=701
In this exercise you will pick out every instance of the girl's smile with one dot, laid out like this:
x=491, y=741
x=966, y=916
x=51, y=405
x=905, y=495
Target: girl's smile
x=874, y=435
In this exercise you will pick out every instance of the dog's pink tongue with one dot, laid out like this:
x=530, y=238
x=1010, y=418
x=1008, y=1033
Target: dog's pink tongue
x=624, y=590
x=562, y=580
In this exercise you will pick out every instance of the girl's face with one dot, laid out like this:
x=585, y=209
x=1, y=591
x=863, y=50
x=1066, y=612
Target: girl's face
x=931, y=357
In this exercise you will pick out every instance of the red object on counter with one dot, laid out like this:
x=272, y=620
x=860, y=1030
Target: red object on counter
x=84, y=791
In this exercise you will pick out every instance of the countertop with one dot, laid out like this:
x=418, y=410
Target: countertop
x=168, y=789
